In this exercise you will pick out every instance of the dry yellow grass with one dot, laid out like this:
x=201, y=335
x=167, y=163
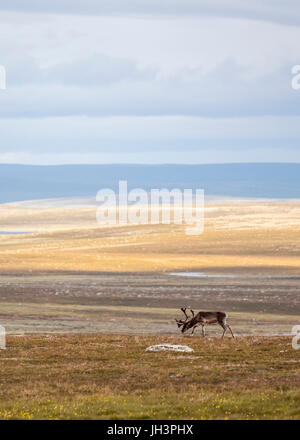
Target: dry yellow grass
x=249, y=236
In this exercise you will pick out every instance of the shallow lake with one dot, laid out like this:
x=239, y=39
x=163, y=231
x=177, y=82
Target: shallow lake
x=210, y=275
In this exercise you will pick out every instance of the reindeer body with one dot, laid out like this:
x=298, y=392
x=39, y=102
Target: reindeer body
x=202, y=319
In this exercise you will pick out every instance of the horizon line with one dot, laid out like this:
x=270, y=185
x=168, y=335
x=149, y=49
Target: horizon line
x=145, y=164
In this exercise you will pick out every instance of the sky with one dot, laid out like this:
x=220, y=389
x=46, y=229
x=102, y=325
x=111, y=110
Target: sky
x=149, y=81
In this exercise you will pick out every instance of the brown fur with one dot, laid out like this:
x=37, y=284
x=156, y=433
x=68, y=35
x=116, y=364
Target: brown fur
x=202, y=319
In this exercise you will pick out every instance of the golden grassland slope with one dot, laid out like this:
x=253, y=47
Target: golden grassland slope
x=247, y=236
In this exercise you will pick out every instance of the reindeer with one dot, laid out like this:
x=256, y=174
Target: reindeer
x=203, y=318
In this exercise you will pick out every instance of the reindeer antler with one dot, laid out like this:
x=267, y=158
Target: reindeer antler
x=180, y=322
x=183, y=309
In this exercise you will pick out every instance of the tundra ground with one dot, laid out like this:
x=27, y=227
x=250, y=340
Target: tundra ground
x=112, y=377
x=80, y=303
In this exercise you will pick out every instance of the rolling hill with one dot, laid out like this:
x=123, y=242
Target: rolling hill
x=259, y=180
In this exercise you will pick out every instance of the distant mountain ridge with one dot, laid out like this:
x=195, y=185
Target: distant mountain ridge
x=258, y=180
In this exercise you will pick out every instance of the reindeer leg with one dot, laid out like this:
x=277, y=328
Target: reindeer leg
x=224, y=328
x=192, y=334
x=203, y=330
x=228, y=326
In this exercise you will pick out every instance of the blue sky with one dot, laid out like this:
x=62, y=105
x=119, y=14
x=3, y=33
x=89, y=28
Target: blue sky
x=160, y=81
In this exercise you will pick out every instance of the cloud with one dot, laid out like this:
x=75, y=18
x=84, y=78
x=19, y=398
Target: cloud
x=287, y=12
x=97, y=70
x=108, y=87
x=133, y=134
x=92, y=71
x=147, y=88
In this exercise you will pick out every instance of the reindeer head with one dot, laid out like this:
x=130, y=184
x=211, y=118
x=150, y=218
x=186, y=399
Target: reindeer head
x=186, y=324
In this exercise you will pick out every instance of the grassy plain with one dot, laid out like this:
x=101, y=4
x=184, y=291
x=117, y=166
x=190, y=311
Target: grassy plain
x=112, y=377
x=254, y=237
x=80, y=304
